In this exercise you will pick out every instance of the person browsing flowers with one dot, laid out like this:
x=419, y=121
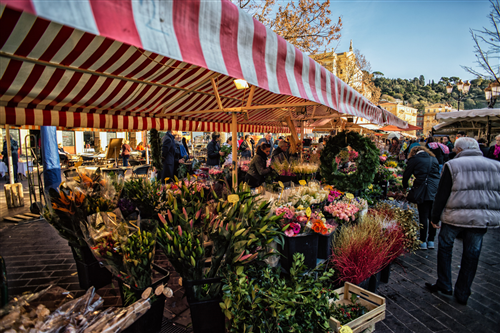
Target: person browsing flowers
x=258, y=167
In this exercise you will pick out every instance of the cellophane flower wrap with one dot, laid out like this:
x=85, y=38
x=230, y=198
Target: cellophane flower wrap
x=125, y=248
x=77, y=198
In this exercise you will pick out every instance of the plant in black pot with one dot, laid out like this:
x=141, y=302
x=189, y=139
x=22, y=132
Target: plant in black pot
x=239, y=230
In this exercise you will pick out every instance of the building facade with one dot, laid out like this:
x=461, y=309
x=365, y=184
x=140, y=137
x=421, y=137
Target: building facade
x=404, y=112
x=429, y=116
x=344, y=66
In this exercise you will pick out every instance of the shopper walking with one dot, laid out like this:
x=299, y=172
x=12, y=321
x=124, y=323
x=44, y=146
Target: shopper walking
x=424, y=166
x=257, y=170
x=125, y=152
x=494, y=151
x=213, y=150
x=467, y=201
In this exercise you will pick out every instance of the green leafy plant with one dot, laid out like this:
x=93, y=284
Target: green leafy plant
x=367, y=162
x=240, y=233
x=260, y=299
x=145, y=194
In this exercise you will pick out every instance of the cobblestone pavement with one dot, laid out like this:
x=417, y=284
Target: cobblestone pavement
x=36, y=257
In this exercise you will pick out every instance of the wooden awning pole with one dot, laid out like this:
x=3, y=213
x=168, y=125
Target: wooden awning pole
x=9, y=155
x=234, y=148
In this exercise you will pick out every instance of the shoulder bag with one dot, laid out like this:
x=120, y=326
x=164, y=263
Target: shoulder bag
x=417, y=194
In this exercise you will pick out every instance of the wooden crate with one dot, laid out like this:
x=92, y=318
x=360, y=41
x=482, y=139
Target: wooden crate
x=374, y=303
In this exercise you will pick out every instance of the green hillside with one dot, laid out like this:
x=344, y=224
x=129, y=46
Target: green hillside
x=420, y=94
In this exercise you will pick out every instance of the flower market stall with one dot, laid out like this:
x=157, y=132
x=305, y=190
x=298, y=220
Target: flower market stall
x=242, y=253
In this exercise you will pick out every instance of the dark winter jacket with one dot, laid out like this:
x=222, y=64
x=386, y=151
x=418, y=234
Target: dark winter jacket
x=438, y=152
x=418, y=166
x=257, y=170
x=213, y=156
x=279, y=155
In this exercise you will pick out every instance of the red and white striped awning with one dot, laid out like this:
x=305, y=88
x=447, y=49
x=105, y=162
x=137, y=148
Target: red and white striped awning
x=150, y=64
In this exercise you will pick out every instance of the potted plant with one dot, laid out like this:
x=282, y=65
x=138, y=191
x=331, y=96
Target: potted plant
x=260, y=299
x=299, y=237
x=239, y=230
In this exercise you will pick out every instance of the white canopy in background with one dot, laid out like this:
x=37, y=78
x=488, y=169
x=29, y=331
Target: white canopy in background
x=468, y=115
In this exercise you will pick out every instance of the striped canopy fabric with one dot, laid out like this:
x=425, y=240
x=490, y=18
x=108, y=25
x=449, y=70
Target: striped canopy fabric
x=154, y=64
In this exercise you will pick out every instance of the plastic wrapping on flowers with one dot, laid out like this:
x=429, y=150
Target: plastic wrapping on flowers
x=77, y=198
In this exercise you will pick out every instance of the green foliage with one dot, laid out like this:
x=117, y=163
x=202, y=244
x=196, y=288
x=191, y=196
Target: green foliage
x=368, y=161
x=258, y=299
x=155, y=142
x=240, y=233
x=145, y=194
x=419, y=95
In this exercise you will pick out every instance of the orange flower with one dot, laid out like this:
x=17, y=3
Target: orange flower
x=86, y=180
x=79, y=198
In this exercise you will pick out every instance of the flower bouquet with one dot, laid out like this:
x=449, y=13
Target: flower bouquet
x=215, y=174
x=244, y=164
x=342, y=212
x=125, y=248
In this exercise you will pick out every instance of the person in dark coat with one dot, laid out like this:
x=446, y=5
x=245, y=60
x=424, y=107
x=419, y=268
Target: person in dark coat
x=494, y=151
x=281, y=153
x=423, y=164
x=267, y=139
x=168, y=148
x=447, y=142
x=184, y=143
x=257, y=170
x=433, y=146
x=246, y=147
x=14, y=153
x=213, y=150
x=482, y=146
x=395, y=147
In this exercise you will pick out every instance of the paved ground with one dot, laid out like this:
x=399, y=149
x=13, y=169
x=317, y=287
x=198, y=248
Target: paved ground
x=36, y=257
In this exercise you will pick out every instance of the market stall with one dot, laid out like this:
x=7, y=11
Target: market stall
x=476, y=123
x=175, y=66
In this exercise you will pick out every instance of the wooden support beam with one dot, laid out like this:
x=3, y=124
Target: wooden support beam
x=243, y=109
x=234, y=149
x=217, y=97
x=250, y=96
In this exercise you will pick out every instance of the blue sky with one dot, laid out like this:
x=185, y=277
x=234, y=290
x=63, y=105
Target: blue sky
x=403, y=38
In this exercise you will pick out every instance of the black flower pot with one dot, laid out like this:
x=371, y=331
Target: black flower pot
x=206, y=315
x=325, y=246
x=374, y=281
x=385, y=274
x=151, y=321
x=364, y=284
x=90, y=272
x=305, y=244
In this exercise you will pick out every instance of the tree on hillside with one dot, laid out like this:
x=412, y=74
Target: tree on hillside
x=304, y=23
x=378, y=74
x=487, y=46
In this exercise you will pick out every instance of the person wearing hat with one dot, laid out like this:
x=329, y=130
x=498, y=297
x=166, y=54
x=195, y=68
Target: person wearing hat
x=213, y=150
